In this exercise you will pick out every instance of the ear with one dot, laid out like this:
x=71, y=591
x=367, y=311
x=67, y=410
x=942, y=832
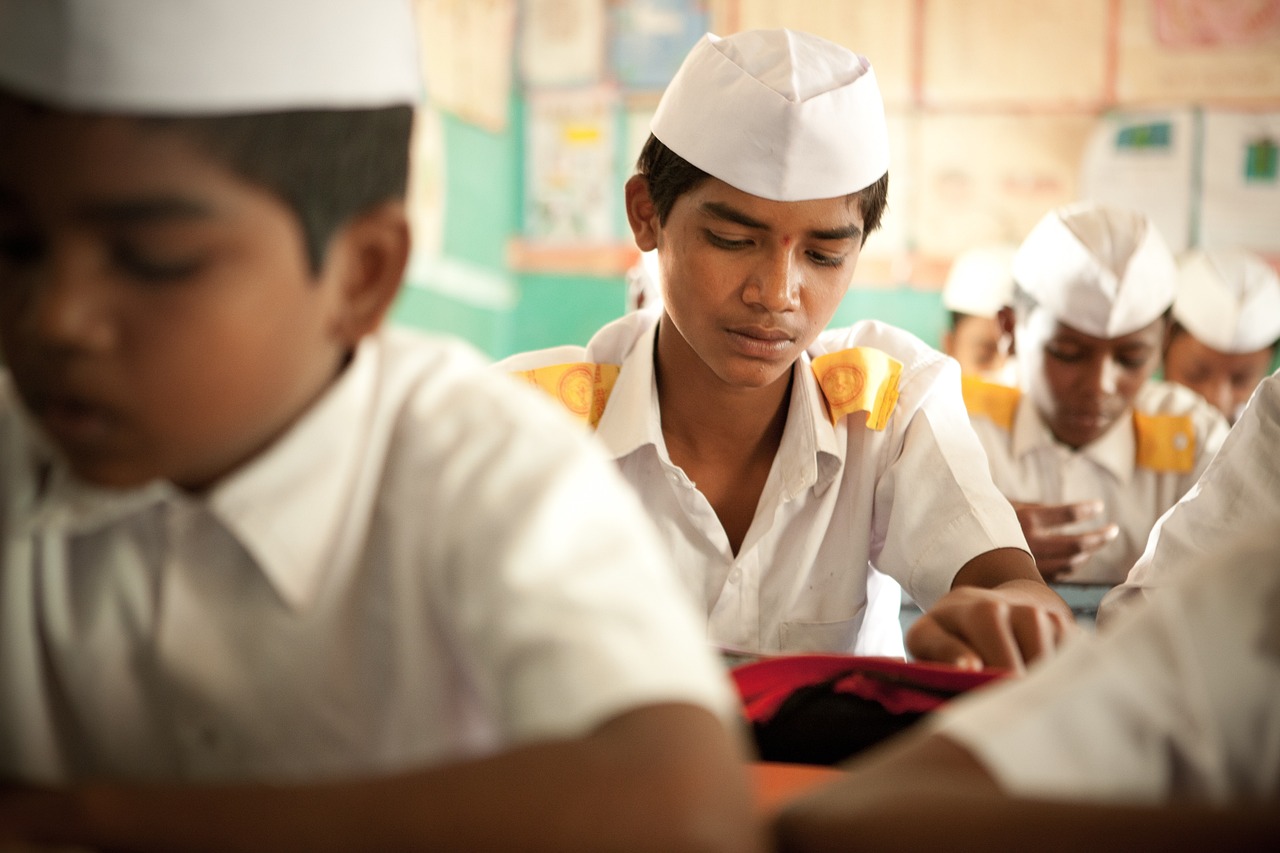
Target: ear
x=1007, y=319
x=366, y=262
x=642, y=214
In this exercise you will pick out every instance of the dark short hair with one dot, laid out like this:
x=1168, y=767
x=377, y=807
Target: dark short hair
x=327, y=165
x=670, y=176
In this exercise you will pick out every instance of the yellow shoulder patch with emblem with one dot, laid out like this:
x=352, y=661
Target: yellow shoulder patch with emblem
x=998, y=403
x=1166, y=443
x=582, y=387
x=861, y=379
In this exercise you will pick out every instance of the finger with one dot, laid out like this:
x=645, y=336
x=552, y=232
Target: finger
x=1034, y=632
x=982, y=624
x=927, y=640
x=1056, y=515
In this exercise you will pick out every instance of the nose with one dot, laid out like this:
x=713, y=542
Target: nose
x=1108, y=376
x=775, y=282
x=67, y=307
x=1222, y=395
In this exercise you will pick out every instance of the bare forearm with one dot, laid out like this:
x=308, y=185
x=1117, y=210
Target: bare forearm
x=960, y=820
x=926, y=792
x=631, y=786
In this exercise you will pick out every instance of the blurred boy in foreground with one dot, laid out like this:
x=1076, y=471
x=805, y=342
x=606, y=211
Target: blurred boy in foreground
x=275, y=576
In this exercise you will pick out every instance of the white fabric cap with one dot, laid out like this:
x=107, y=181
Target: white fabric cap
x=1229, y=299
x=209, y=56
x=1105, y=271
x=780, y=114
x=980, y=281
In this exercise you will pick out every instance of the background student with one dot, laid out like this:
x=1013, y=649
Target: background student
x=796, y=475
x=275, y=576
x=1090, y=448
x=1226, y=326
x=978, y=285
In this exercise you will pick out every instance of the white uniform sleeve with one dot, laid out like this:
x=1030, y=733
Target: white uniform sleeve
x=1240, y=490
x=559, y=595
x=936, y=504
x=1179, y=701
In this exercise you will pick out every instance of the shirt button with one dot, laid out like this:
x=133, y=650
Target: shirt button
x=735, y=576
x=1180, y=441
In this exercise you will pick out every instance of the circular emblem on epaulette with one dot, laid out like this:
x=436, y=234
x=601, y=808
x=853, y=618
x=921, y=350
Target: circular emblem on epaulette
x=1181, y=441
x=842, y=384
x=575, y=389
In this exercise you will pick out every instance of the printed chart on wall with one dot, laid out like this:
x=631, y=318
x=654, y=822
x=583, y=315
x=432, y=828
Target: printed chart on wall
x=466, y=57
x=1145, y=161
x=649, y=40
x=1241, y=201
x=570, y=192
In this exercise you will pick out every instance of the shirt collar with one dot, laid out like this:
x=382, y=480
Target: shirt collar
x=287, y=506
x=811, y=453
x=1115, y=450
x=631, y=418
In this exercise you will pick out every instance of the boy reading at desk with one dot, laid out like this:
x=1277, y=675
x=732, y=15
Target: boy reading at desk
x=798, y=476
x=1089, y=446
x=275, y=576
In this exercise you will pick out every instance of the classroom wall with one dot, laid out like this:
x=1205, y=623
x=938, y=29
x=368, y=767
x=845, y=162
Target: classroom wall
x=998, y=111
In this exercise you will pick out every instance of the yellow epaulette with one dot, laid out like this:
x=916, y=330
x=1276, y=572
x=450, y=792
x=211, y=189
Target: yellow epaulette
x=861, y=379
x=998, y=403
x=1166, y=443
x=582, y=387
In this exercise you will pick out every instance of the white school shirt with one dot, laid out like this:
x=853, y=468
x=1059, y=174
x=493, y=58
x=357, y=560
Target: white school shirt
x=1181, y=700
x=1028, y=464
x=846, y=515
x=1238, y=493
x=427, y=567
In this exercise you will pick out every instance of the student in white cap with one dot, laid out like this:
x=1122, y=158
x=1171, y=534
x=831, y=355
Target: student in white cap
x=1159, y=734
x=979, y=284
x=275, y=576
x=1226, y=326
x=798, y=476
x=1239, y=491
x=1089, y=447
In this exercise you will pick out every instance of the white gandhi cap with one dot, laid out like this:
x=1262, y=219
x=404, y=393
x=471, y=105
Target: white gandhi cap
x=1229, y=299
x=1104, y=271
x=780, y=114
x=980, y=281
x=209, y=56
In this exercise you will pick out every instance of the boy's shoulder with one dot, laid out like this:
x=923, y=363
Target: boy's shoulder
x=897, y=343
x=1175, y=427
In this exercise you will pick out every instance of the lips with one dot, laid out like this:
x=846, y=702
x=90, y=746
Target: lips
x=761, y=341
x=73, y=421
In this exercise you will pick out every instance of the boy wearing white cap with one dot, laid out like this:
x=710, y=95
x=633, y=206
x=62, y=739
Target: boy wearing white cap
x=1226, y=326
x=1089, y=439
x=797, y=476
x=979, y=284
x=275, y=577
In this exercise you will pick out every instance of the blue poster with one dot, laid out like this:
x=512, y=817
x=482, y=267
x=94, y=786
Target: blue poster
x=649, y=39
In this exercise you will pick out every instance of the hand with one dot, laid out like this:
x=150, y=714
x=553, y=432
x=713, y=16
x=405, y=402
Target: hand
x=972, y=627
x=1055, y=536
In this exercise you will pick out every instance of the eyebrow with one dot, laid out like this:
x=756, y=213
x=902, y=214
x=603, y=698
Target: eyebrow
x=142, y=211
x=720, y=210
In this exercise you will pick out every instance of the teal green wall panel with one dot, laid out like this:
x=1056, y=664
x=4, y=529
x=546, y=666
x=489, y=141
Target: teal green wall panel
x=555, y=310
x=487, y=329
x=481, y=197
x=918, y=311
